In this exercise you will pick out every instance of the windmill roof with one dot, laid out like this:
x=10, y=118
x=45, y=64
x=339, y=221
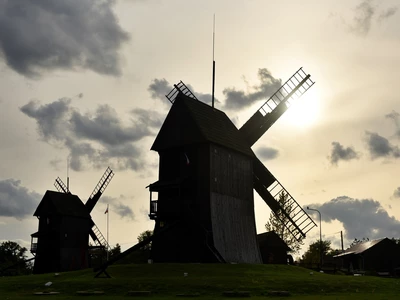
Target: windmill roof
x=196, y=122
x=63, y=204
x=360, y=248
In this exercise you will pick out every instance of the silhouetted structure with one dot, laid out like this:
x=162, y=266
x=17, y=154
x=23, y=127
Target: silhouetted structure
x=273, y=249
x=207, y=172
x=65, y=224
x=376, y=256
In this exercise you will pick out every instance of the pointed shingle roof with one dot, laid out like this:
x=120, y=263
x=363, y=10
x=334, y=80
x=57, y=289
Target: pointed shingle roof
x=191, y=121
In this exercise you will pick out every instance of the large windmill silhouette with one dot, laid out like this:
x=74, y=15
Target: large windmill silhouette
x=207, y=172
x=65, y=224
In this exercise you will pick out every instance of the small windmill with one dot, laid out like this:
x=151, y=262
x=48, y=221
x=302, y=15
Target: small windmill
x=207, y=172
x=65, y=224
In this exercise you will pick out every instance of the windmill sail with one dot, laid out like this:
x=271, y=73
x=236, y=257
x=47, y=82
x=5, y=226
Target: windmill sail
x=60, y=186
x=179, y=88
x=99, y=189
x=275, y=106
x=98, y=237
x=295, y=219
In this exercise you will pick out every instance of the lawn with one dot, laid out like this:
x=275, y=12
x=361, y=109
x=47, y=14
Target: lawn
x=208, y=280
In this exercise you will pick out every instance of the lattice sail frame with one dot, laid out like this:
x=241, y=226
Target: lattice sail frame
x=179, y=88
x=291, y=90
x=296, y=221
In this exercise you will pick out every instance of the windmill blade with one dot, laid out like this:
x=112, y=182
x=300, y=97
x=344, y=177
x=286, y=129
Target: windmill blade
x=60, y=186
x=99, y=189
x=275, y=106
x=179, y=88
x=97, y=237
x=294, y=218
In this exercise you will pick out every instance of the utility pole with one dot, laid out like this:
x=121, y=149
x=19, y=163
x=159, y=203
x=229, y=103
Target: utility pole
x=341, y=239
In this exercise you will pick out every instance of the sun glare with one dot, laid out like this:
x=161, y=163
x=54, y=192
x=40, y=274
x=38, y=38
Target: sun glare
x=304, y=112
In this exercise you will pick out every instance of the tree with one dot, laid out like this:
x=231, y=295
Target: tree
x=312, y=255
x=276, y=223
x=357, y=241
x=144, y=236
x=13, y=259
x=113, y=252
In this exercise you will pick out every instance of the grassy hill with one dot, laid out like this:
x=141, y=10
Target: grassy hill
x=209, y=280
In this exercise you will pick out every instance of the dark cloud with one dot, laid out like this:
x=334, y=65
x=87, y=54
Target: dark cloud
x=151, y=118
x=380, y=146
x=341, y=153
x=396, y=193
x=360, y=218
x=94, y=139
x=267, y=153
x=15, y=200
x=39, y=36
x=51, y=118
x=106, y=127
x=159, y=88
x=117, y=207
x=238, y=99
x=364, y=16
x=395, y=117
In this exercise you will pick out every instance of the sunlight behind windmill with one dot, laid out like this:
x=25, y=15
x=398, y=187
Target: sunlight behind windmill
x=203, y=197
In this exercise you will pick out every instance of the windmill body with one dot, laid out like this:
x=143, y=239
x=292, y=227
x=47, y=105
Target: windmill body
x=61, y=243
x=207, y=173
x=62, y=240
x=205, y=186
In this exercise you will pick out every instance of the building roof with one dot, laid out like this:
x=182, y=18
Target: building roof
x=360, y=248
x=271, y=238
x=191, y=121
x=62, y=204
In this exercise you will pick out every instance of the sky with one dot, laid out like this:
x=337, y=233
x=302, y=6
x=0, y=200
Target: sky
x=82, y=85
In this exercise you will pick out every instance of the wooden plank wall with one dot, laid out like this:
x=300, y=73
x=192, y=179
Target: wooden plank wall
x=232, y=206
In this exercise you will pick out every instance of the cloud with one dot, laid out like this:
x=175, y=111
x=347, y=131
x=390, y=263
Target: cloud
x=387, y=14
x=238, y=99
x=159, y=88
x=395, y=117
x=16, y=200
x=267, y=153
x=117, y=207
x=51, y=118
x=41, y=36
x=106, y=127
x=396, y=193
x=380, y=146
x=340, y=153
x=95, y=139
x=360, y=218
x=364, y=16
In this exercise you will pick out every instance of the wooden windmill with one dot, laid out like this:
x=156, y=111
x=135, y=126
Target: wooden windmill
x=207, y=173
x=65, y=224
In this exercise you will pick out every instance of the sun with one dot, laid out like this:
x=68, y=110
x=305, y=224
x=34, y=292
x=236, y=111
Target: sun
x=305, y=111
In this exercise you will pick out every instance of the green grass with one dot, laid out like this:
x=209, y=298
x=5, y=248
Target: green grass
x=209, y=280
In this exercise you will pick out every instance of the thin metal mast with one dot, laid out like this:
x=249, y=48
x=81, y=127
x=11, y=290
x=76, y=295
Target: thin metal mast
x=68, y=173
x=213, y=75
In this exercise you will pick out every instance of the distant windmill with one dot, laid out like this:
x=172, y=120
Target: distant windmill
x=207, y=172
x=62, y=241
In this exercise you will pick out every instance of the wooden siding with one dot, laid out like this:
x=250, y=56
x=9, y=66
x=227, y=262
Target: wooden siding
x=232, y=206
x=231, y=173
x=234, y=232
